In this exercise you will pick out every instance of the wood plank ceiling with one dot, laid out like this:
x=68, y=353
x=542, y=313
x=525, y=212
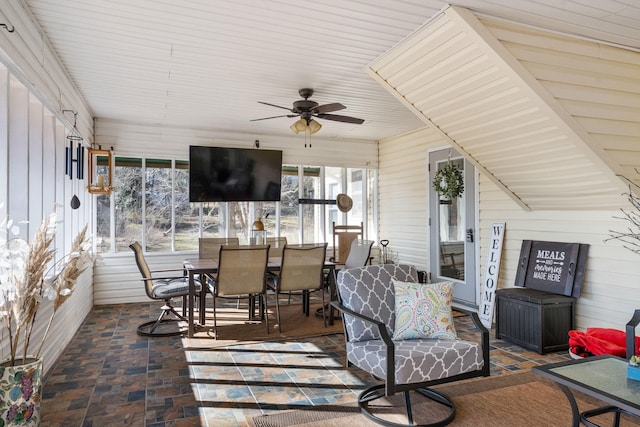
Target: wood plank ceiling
x=551, y=119
x=204, y=64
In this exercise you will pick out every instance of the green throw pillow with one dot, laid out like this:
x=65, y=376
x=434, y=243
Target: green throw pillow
x=424, y=311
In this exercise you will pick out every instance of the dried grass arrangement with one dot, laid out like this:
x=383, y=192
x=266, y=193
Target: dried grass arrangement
x=29, y=275
x=631, y=236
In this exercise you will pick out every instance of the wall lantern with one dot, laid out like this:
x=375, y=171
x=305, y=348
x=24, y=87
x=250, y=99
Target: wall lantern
x=100, y=171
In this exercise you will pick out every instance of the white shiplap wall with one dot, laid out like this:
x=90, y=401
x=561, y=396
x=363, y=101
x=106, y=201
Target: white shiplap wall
x=32, y=183
x=403, y=195
x=611, y=291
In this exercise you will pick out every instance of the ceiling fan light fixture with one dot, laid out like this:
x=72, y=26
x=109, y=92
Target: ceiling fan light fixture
x=313, y=127
x=301, y=125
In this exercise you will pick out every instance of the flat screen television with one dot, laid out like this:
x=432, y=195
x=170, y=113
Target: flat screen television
x=219, y=174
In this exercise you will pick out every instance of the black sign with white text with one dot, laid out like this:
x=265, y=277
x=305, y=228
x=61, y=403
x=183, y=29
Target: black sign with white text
x=554, y=267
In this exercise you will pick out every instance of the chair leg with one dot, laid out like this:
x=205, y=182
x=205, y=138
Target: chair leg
x=324, y=314
x=266, y=310
x=215, y=320
x=407, y=403
x=378, y=391
x=278, y=313
x=148, y=328
x=203, y=306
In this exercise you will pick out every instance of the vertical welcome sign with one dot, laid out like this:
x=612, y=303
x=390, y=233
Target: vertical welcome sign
x=491, y=277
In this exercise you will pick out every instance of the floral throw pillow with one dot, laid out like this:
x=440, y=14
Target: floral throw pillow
x=424, y=311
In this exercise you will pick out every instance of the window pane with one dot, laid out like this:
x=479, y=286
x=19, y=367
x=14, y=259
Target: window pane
x=267, y=212
x=356, y=190
x=240, y=215
x=311, y=213
x=103, y=223
x=158, y=184
x=186, y=214
x=213, y=219
x=128, y=202
x=333, y=187
x=289, y=218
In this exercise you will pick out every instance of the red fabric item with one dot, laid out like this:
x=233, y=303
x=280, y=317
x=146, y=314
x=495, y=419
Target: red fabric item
x=597, y=341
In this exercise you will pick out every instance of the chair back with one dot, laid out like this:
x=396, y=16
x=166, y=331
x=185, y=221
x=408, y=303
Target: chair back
x=302, y=267
x=242, y=270
x=343, y=236
x=276, y=246
x=369, y=290
x=209, y=247
x=143, y=267
x=359, y=253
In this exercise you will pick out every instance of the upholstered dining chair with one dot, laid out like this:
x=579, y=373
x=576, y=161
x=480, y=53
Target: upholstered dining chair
x=301, y=270
x=209, y=247
x=402, y=333
x=242, y=273
x=158, y=285
x=277, y=245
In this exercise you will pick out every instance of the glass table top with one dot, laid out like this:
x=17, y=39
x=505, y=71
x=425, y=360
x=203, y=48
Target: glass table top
x=603, y=375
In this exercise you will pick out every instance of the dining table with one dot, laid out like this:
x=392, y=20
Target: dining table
x=200, y=266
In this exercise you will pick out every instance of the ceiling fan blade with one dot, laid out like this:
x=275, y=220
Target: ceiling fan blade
x=274, y=105
x=274, y=117
x=338, y=118
x=327, y=108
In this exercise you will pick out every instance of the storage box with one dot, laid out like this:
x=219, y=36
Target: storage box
x=534, y=319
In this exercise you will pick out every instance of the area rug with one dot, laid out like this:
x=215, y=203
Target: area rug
x=507, y=400
x=234, y=326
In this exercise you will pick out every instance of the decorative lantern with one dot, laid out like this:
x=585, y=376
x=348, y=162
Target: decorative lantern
x=258, y=233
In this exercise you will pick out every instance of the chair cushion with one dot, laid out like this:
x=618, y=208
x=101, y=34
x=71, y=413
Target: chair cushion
x=167, y=288
x=417, y=360
x=369, y=290
x=423, y=310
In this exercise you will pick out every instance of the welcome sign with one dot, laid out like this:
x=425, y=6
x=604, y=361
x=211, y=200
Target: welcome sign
x=554, y=267
x=485, y=313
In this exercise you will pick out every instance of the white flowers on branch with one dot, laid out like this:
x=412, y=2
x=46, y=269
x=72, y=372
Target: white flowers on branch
x=29, y=275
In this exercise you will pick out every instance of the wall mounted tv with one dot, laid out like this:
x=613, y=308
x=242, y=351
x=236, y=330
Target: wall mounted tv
x=219, y=174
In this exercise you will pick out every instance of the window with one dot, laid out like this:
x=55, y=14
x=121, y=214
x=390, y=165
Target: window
x=127, y=209
x=152, y=195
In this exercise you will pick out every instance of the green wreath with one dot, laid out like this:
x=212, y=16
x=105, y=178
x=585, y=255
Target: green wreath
x=449, y=181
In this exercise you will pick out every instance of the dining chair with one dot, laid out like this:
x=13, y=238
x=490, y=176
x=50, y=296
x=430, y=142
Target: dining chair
x=242, y=272
x=160, y=285
x=343, y=236
x=209, y=247
x=301, y=270
x=276, y=246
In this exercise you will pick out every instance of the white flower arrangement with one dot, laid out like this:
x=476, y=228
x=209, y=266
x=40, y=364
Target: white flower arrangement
x=28, y=277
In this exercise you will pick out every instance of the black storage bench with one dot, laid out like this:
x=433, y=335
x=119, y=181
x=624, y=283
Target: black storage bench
x=533, y=319
x=539, y=312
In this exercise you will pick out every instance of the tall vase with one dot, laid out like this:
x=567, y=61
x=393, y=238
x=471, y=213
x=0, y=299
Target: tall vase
x=20, y=393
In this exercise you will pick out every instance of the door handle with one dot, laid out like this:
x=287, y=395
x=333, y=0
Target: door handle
x=470, y=235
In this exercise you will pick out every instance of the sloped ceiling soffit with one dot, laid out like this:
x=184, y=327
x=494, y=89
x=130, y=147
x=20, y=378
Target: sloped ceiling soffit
x=551, y=119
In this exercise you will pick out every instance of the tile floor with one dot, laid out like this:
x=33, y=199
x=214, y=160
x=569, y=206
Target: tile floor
x=110, y=376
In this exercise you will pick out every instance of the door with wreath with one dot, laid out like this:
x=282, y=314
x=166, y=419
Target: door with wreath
x=452, y=211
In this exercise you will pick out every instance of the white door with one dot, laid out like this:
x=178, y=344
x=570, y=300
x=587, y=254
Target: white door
x=452, y=230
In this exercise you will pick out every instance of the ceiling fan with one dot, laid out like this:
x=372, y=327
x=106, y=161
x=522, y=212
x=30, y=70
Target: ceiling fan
x=308, y=110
